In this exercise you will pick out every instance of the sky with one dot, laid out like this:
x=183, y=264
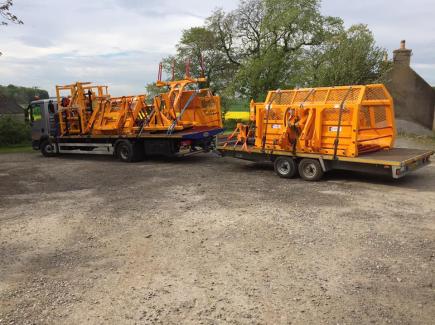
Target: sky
x=121, y=42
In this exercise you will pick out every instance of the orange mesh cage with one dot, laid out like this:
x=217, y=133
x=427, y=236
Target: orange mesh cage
x=344, y=121
x=87, y=109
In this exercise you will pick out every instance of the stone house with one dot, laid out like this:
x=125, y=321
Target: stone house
x=414, y=98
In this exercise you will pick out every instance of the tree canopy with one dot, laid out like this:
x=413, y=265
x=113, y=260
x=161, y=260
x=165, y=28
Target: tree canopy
x=6, y=16
x=351, y=57
x=270, y=44
x=22, y=95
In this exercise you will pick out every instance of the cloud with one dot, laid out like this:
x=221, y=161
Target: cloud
x=113, y=42
x=163, y=8
x=121, y=71
x=120, y=42
x=392, y=21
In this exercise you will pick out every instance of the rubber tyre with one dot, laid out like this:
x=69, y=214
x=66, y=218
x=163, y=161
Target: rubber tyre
x=47, y=149
x=310, y=170
x=129, y=152
x=285, y=167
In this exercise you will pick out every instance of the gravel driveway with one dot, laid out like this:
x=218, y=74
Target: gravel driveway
x=206, y=240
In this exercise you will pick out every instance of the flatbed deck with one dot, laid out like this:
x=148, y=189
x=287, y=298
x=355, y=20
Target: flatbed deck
x=396, y=162
x=136, y=146
x=395, y=156
x=191, y=133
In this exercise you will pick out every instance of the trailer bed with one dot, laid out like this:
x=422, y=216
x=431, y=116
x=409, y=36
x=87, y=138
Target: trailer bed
x=395, y=156
x=396, y=162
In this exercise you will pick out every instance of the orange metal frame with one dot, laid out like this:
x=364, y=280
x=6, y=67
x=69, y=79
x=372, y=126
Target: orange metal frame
x=86, y=109
x=180, y=108
x=343, y=121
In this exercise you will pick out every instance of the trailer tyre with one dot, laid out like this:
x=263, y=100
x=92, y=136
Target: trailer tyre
x=285, y=167
x=310, y=169
x=129, y=152
x=47, y=149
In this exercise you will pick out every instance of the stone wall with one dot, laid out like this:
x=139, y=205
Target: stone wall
x=414, y=98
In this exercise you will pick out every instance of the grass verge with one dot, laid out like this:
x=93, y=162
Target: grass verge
x=25, y=147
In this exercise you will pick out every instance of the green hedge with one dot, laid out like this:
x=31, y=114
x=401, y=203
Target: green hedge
x=13, y=131
x=230, y=125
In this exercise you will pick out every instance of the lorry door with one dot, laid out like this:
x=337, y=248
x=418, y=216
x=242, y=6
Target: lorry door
x=52, y=120
x=37, y=120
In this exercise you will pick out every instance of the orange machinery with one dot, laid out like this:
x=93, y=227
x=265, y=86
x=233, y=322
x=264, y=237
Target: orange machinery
x=86, y=109
x=183, y=106
x=339, y=121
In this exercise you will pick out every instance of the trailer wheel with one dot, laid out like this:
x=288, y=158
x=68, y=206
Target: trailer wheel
x=129, y=152
x=47, y=149
x=310, y=169
x=285, y=167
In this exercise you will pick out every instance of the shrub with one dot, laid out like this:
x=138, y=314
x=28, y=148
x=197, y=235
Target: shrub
x=230, y=125
x=13, y=131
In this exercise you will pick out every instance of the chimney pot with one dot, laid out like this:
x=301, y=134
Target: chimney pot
x=402, y=56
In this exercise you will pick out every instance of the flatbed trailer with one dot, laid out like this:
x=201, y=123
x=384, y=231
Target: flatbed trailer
x=395, y=163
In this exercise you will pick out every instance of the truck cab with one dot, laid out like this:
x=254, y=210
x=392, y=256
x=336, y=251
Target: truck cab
x=41, y=115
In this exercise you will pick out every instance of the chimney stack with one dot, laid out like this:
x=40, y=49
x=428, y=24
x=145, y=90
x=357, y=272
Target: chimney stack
x=403, y=45
x=402, y=56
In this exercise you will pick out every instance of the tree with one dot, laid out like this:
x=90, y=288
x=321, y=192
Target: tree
x=270, y=44
x=199, y=46
x=13, y=131
x=264, y=38
x=22, y=95
x=350, y=58
x=6, y=16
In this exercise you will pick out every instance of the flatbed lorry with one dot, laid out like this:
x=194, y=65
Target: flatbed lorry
x=125, y=147
x=85, y=119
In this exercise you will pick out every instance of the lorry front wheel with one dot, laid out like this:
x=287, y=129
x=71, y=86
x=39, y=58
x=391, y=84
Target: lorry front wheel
x=310, y=169
x=47, y=149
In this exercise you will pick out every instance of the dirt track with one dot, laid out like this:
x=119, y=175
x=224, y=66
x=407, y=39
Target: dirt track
x=213, y=241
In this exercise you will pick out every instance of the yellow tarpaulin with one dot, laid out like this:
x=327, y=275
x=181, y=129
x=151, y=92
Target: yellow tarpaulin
x=237, y=116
